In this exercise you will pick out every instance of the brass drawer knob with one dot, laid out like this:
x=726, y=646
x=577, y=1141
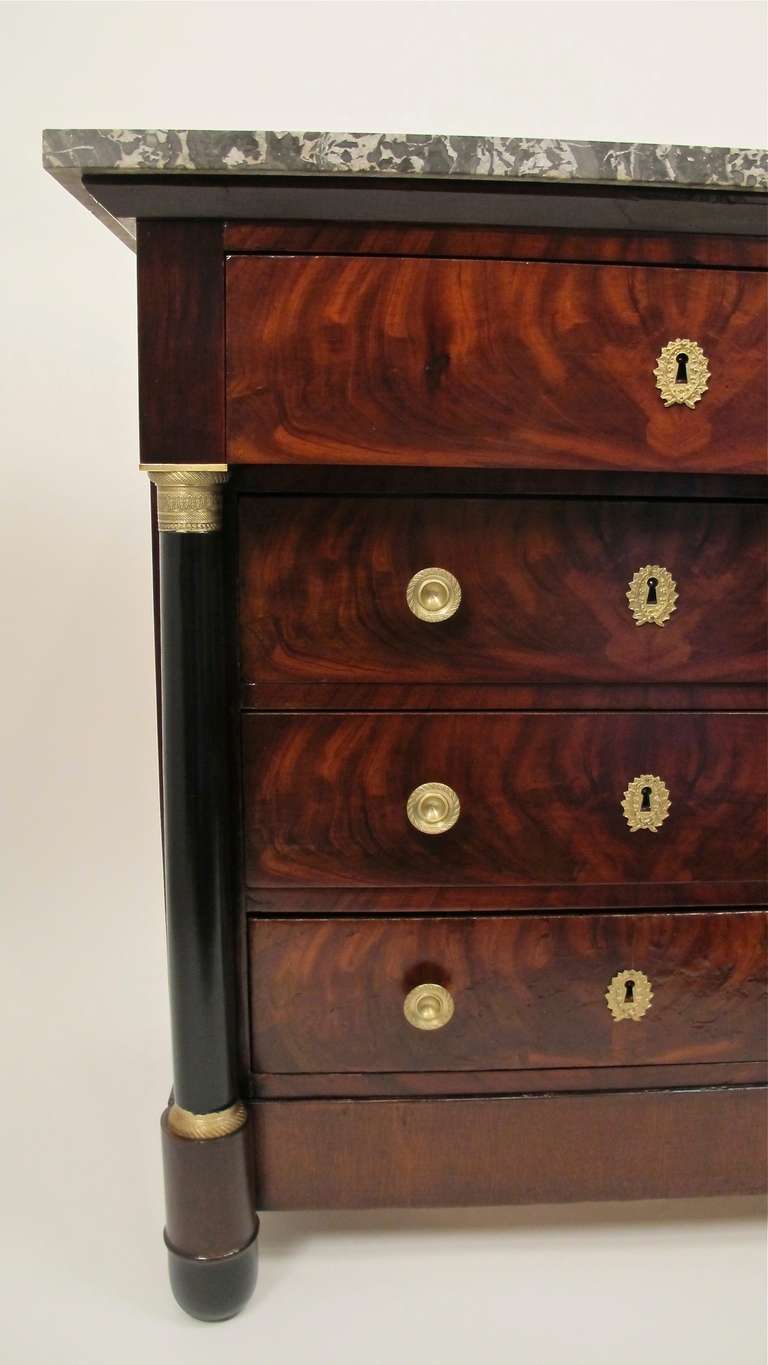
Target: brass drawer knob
x=433, y=594
x=629, y=995
x=433, y=808
x=682, y=371
x=428, y=1006
x=646, y=803
x=652, y=595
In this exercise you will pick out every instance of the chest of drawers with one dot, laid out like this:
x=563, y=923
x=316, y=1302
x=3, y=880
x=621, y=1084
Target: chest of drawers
x=460, y=552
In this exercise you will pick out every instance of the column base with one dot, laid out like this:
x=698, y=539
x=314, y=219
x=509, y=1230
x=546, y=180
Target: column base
x=214, y=1290
x=211, y=1227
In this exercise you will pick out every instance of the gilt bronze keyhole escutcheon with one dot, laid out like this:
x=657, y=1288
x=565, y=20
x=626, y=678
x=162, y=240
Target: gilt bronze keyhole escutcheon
x=682, y=371
x=646, y=803
x=652, y=595
x=629, y=995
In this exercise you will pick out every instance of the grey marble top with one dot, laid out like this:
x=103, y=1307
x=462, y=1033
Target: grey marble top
x=69, y=154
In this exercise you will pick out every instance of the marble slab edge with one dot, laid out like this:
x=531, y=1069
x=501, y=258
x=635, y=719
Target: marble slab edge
x=69, y=154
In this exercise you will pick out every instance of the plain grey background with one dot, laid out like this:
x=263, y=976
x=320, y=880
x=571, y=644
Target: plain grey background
x=84, y=1038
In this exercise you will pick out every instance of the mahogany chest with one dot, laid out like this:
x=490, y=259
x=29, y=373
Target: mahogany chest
x=460, y=551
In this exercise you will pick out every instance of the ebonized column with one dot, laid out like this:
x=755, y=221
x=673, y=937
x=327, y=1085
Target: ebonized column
x=211, y=1227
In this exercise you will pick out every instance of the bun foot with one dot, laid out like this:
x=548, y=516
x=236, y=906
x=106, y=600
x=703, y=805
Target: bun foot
x=213, y=1290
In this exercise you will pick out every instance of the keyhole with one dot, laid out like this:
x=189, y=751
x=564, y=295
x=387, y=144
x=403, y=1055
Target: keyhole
x=682, y=369
x=646, y=801
x=651, y=600
x=629, y=992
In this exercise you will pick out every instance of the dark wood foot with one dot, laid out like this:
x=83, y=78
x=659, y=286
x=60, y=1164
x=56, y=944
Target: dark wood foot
x=211, y=1227
x=213, y=1290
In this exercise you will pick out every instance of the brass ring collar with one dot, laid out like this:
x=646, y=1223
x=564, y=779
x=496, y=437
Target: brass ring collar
x=219, y=1123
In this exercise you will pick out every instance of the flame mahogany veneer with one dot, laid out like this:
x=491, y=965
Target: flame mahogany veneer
x=529, y=992
x=325, y=797
x=545, y=471
x=539, y=365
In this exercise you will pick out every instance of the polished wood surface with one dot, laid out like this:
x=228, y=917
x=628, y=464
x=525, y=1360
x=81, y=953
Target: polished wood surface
x=181, y=342
x=540, y=794
x=474, y=362
x=386, y=481
x=617, y=208
x=388, y=239
x=653, y=1144
x=523, y=900
x=211, y=1228
x=339, y=696
x=528, y=992
x=197, y=858
x=287, y=1085
x=543, y=592
x=209, y=1193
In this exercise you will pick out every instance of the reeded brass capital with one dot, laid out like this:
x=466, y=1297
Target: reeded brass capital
x=219, y=1123
x=189, y=497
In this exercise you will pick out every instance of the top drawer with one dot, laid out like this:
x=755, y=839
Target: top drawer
x=370, y=360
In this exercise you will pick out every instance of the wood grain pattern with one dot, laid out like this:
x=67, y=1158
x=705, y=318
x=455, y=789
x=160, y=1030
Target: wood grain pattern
x=541, y=796
x=181, y=342
x=529, y=992
x=389, y=239
x=523, y=900
x=338, y=696
x=323, y=592
x=439, y=362
x=653, y=1144
x=550, y=1080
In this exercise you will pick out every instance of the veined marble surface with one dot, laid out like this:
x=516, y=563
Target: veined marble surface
x=510, y=158
x=69, y=154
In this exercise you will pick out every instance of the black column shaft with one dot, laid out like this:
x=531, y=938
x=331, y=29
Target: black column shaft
x=199, y=914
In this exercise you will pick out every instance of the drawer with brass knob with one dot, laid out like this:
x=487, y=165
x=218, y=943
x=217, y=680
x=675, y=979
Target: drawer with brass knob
x=444, y=593
x=533, y=799
x=532, y=992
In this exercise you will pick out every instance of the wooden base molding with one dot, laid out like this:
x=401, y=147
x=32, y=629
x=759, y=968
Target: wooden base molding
x=533, y=1149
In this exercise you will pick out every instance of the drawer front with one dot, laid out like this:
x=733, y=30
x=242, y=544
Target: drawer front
x=540, y=593
x=329, y=995
x=540, y=796
x=368, y=360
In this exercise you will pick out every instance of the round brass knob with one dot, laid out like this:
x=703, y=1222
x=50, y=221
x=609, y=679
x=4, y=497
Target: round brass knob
x=428, y=1006
x=433, y=594
x=433, y=808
